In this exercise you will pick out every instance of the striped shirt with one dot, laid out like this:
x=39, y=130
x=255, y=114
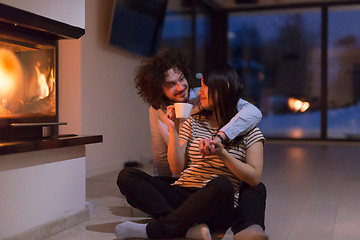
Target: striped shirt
x=199, y=170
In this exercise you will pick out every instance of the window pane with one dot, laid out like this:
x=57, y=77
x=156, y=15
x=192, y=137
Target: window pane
x=344, y=73
x=277, y=54
x=177, y=29
x=178, y=34
x=203, y=59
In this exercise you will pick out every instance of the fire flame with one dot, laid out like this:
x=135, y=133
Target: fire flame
x=10, y=78
x=12, y=96
x=297, y=105
x=9, y=64
x=43, y=89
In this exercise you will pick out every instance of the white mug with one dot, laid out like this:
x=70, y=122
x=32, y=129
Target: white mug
x=182, y=110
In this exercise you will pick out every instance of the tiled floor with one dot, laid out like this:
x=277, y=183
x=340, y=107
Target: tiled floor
x=313, y=194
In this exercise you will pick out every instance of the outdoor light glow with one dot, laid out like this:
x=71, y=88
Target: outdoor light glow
x=304, y=107
x=297, y=105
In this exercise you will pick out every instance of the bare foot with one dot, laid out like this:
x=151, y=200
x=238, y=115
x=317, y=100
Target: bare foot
x=253, y=232
x=199, y=232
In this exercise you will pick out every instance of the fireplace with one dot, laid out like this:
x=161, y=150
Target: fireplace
x=28, y=73
x=39, y=170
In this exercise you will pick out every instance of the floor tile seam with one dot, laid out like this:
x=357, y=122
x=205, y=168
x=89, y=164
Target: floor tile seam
x=300, y=213
x=338, y=204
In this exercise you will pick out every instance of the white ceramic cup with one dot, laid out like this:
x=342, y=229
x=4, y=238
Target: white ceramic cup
x=182, y=110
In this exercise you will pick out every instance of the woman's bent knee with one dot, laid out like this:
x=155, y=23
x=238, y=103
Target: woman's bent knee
x=126, y=174
x=222, y=186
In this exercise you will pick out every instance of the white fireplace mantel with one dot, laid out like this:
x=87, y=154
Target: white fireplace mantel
x=42, y=181
x=42, y=186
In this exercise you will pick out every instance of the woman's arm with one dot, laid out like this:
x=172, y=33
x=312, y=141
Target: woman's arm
x=176, y=147
x=250, y=171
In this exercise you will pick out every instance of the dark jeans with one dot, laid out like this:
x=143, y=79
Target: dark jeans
x=251, y=207
x=177, y=208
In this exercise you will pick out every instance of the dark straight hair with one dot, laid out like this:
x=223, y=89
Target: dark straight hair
x=225, y=89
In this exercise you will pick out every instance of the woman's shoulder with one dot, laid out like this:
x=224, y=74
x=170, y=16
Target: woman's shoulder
x=247, y=140
x=253, y=136
x=255, y=130
x=198, y=117
x=195, y=120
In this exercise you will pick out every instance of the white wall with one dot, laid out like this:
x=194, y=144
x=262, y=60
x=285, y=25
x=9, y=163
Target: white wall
x=109, y=103
x=39, y=187
x=54, y=9
x=70, y=86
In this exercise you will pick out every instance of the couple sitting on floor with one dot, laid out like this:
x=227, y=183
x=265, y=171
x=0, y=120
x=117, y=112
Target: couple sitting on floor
x=216, y=182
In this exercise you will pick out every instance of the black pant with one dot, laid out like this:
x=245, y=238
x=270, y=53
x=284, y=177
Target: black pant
x=251, y=207
x=177, y=208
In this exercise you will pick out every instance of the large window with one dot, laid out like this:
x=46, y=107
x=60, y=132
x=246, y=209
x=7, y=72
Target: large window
x=344, y=73
x=187, y=27
x=277, y=54
x=300, y=62
x=306, y=82
x=178, y=27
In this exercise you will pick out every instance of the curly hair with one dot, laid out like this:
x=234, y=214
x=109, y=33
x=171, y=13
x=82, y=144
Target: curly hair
x=151, y=74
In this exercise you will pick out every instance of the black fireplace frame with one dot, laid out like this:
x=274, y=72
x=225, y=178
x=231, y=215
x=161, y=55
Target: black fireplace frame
x=19, y=25
x=37, y=23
